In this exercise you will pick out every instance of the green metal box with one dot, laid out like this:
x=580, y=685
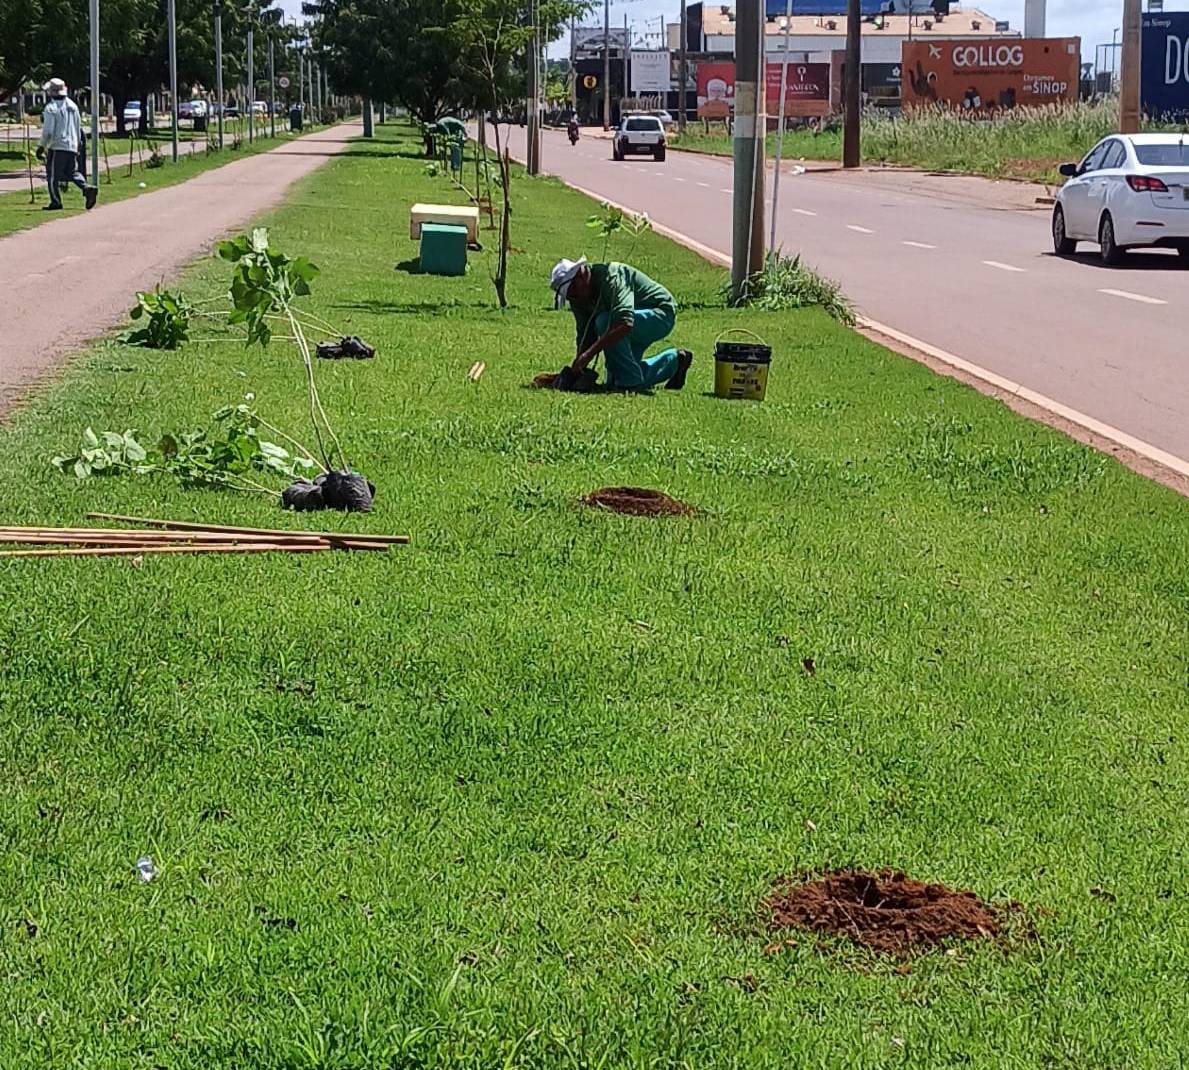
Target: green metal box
x=443, y=249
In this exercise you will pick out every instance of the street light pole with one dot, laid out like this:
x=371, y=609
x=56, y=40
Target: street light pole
x=784, y=81
x=94, y=93
x=251, y=81
x=171, y=16
x=747, y=222
x=682, y=68
x=272, y=90
x=606, y=64
x=219, y=66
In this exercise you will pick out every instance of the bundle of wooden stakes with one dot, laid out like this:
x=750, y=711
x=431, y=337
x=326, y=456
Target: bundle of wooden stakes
x=178, y=537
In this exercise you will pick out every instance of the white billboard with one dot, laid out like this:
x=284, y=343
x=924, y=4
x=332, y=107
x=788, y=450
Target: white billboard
x=650, y=72
x=587, y=41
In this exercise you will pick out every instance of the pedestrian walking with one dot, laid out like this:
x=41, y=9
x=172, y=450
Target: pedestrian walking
x=61, y=135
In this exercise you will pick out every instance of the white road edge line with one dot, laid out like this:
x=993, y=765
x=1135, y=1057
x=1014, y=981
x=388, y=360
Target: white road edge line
x=804, y=211
x=856, y=227
x=919, y=244
x=1004, y=267
x=1134, y=297
x=1113, y=434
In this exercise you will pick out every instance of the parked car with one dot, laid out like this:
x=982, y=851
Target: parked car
x=1131, y=191
x=642, y=134
x=260, y=107
x=132, y=113
x=198, y=109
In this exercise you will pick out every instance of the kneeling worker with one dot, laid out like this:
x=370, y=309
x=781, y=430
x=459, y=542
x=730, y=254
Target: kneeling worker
x=620, y=311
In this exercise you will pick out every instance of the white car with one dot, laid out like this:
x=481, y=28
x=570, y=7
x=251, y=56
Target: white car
x=639, y=134
x=132, y=112
x=1131, y=191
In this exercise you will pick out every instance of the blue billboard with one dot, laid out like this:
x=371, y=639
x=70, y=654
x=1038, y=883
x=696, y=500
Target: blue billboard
x=838, y=7
x=1164, y=65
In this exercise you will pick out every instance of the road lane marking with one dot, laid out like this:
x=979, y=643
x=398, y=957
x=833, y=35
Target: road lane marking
x=1134, y=297
x=678, y=178
x=704, y=185
x=860, y=230
x=1003, y=267
x=726, y=190
x=1168, y=460
x=804, y=211
x=919, y=244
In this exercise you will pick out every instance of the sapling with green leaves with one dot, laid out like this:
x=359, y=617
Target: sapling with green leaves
x=610, y=219
x=265, y=284
x=166, y=317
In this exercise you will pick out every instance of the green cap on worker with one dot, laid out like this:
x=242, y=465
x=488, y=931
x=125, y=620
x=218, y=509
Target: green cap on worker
x=564, y=272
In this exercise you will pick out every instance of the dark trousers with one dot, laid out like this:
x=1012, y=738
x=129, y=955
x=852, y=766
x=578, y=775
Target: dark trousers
x=62, y=167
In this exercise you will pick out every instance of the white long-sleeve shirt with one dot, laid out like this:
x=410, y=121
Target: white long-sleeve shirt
x=61, y=126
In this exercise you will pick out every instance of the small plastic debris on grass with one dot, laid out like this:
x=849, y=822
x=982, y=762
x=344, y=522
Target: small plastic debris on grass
x=146, y=869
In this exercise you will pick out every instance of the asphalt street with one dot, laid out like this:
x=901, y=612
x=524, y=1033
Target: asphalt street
x=976, y=280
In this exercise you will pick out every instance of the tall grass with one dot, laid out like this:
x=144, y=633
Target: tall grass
x=1023, y=143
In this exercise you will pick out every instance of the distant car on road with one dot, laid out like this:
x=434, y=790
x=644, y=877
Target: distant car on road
x=132, y=112
x=1131, y=191
x=643, y=134
x=260, y=107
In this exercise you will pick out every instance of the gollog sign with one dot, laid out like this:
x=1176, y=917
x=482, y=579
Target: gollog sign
x=990, y=75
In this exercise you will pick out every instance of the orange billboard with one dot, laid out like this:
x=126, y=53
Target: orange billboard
x=990, y=75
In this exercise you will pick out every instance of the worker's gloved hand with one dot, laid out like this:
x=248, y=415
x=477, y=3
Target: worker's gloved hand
x=40, y=153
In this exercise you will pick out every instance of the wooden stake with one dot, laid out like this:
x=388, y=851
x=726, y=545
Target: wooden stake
x=136, y=551
x=184, y=525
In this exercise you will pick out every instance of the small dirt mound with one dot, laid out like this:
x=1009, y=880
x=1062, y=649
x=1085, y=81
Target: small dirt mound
x=885, y=911
x=637, y=501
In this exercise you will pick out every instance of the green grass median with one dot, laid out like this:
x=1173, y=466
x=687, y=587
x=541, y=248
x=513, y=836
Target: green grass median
x=119, y=178
x=510, y=796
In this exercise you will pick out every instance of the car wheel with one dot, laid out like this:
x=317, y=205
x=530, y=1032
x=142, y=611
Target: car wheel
x=659, y=155
x=1110, y=252
x=1062, y=245
x=615, y=153
x=1183, y=250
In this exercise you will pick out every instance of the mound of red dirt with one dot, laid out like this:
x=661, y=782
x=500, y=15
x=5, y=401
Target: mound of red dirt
x=886, y=911
x=637, y=501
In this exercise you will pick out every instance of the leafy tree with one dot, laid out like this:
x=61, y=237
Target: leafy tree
x=44, y=38
x=391, y=50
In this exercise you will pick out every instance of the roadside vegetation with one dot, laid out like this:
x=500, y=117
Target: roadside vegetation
x=511, y=795
x=126, y=168
x=1028, y=143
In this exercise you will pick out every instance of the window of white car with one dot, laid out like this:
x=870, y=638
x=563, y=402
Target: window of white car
x=1174, y=155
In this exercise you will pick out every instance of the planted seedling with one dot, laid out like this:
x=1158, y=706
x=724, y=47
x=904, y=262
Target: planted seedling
x=611, y=220
x=265, y=284
x=166, y=320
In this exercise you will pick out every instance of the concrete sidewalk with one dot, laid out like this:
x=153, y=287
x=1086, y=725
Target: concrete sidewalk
x=94, y=263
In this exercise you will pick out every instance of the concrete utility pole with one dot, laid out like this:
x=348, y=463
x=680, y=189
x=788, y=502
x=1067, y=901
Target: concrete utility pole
x=367, y=117
x=251, y=82
x=606, y=64
x=533, y=154
x=682, y=67
x=1129, y=76
x=627, y=51
x=272, y=90
x=573, y=73
x=784, y=81
x=747, y=222
x=219, y=98
x=172, y=19
x=1034, y=18
x=94, y=12
x=852, y=86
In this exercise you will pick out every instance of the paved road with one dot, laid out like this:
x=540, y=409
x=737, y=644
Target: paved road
x=972, y=279
x=99, y=259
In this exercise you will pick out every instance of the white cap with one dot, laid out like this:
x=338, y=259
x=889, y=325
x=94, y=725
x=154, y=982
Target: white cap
x=55, y=87
x=564, y=273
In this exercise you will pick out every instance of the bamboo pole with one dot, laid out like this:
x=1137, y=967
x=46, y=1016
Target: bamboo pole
x=184, y=525
x=136, y=551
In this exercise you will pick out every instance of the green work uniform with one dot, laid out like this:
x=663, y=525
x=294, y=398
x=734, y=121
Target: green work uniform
x=623, y=294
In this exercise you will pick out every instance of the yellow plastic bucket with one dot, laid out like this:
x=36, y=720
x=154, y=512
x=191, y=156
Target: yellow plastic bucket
x=741, y=368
